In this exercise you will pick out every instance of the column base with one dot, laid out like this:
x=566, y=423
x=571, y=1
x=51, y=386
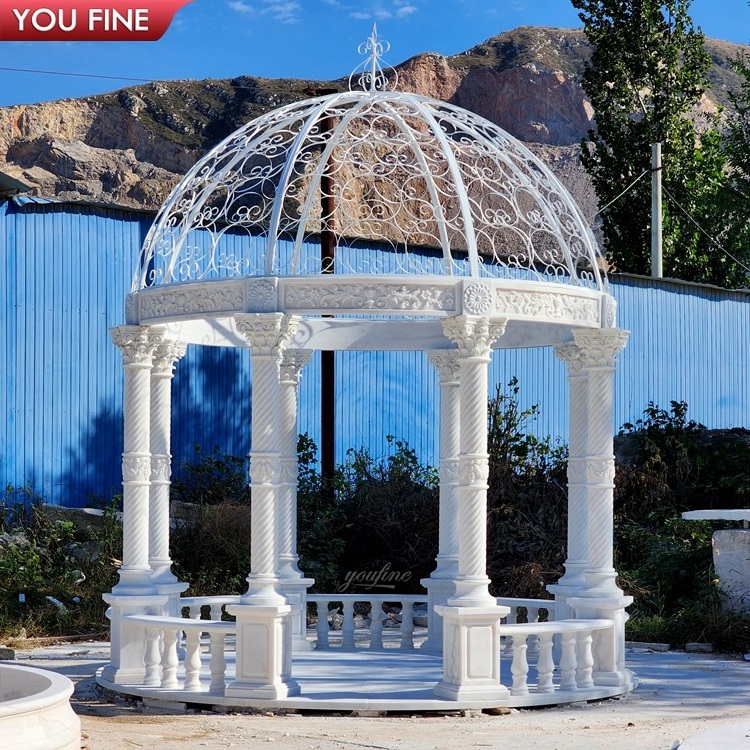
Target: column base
x=128, y=641
x=472, y=591
x=263, y=591
x=471, y=653
x=264, y=653
x=295, y=591
x=134, y=582
x=439, y=590
x=563, y=591
x=172, y=591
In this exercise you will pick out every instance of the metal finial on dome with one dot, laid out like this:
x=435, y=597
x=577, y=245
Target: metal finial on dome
x=372, y=76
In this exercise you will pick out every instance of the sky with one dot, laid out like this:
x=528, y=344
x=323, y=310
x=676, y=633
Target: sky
x=315, y=39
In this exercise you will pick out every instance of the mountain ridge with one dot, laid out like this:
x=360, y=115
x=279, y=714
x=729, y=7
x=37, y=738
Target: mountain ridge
x=129, y=147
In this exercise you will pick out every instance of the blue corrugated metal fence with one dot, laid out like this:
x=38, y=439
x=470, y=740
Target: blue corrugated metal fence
x=66, y=269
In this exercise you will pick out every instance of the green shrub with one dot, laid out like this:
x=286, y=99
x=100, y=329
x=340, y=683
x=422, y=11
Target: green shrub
x=669, y=464
x=527, y=500
x=45, y=554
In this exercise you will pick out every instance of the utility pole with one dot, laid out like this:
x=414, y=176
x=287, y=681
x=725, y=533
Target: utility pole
x=656, y=216
x=327, y=362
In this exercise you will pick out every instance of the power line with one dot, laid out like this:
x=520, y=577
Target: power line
x=75, y=75
x=617, y=197
x=713, y=241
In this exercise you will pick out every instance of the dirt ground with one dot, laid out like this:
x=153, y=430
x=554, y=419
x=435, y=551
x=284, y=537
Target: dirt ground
x=681, y=695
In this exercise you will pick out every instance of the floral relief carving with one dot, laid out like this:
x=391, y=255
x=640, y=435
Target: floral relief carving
x=599, y=348
x=369, y=297
x=264, y=470
x=477, y=298
x=546, y=304
x=261, y=296
x=571, y=355
x=591, y=471
x=471, y=470
x=186, y=301
x=448, y=471
x=594, y=349
x=161, y=468
x=136, y=468
x=131, y=309
x=288, y=470
x=610, y=312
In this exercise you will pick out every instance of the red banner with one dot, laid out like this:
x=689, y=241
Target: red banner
x=86, y=20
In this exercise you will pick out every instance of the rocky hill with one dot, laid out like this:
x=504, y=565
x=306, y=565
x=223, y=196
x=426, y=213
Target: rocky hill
x=129, y=147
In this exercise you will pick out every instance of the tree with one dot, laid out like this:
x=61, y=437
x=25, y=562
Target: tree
x=645, y=79
x=735, y=204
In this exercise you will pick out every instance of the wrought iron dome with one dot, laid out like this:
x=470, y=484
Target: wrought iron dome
x=435, y=189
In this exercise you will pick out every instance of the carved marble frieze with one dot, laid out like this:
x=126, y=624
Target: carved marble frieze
x=161, y=468
x=191, y=300
x=550, y=305
x=265, y=470
x=136, y=468
x=591, y=471
x=383, y=297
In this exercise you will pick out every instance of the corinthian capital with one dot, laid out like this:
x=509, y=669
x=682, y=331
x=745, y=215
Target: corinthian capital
x=445, y=361
x=292, y=362
x=137, y=343
x=474, y=336
x=593, y=349
x=267, y=333
x=166, y=355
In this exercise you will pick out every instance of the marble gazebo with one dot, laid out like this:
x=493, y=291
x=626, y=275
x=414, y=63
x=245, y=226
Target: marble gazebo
x=445, y=235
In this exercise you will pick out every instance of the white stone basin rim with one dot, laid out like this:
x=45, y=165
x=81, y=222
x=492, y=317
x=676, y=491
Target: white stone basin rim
x=35, y=712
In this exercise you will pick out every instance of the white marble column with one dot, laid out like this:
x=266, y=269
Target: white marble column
x=135, y=592
x=474, y=337
x=264, y=623
x=268, y=335
x=596, y=472
x=293, y=584
x=572, y=583
x=137, y=344
x=471, y=618
x=591, y=589
x=165, y=357
x=441, y=583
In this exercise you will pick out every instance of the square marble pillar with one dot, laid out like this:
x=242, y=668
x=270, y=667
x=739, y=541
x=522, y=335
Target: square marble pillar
x=264, y=653
x=439, y=590
x=127, y=646
x=609, y=645
x=295, y=591
x=471, y=654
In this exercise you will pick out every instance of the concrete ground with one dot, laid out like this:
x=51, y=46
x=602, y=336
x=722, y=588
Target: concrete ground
x=686, y=701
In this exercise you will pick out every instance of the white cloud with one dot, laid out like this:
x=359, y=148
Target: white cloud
x=288, y=12
x=283, y=12
x=406, y=10
x=241, y=7
x=378, y=11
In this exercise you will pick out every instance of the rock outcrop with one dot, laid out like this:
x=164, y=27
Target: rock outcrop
x=131, y=146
